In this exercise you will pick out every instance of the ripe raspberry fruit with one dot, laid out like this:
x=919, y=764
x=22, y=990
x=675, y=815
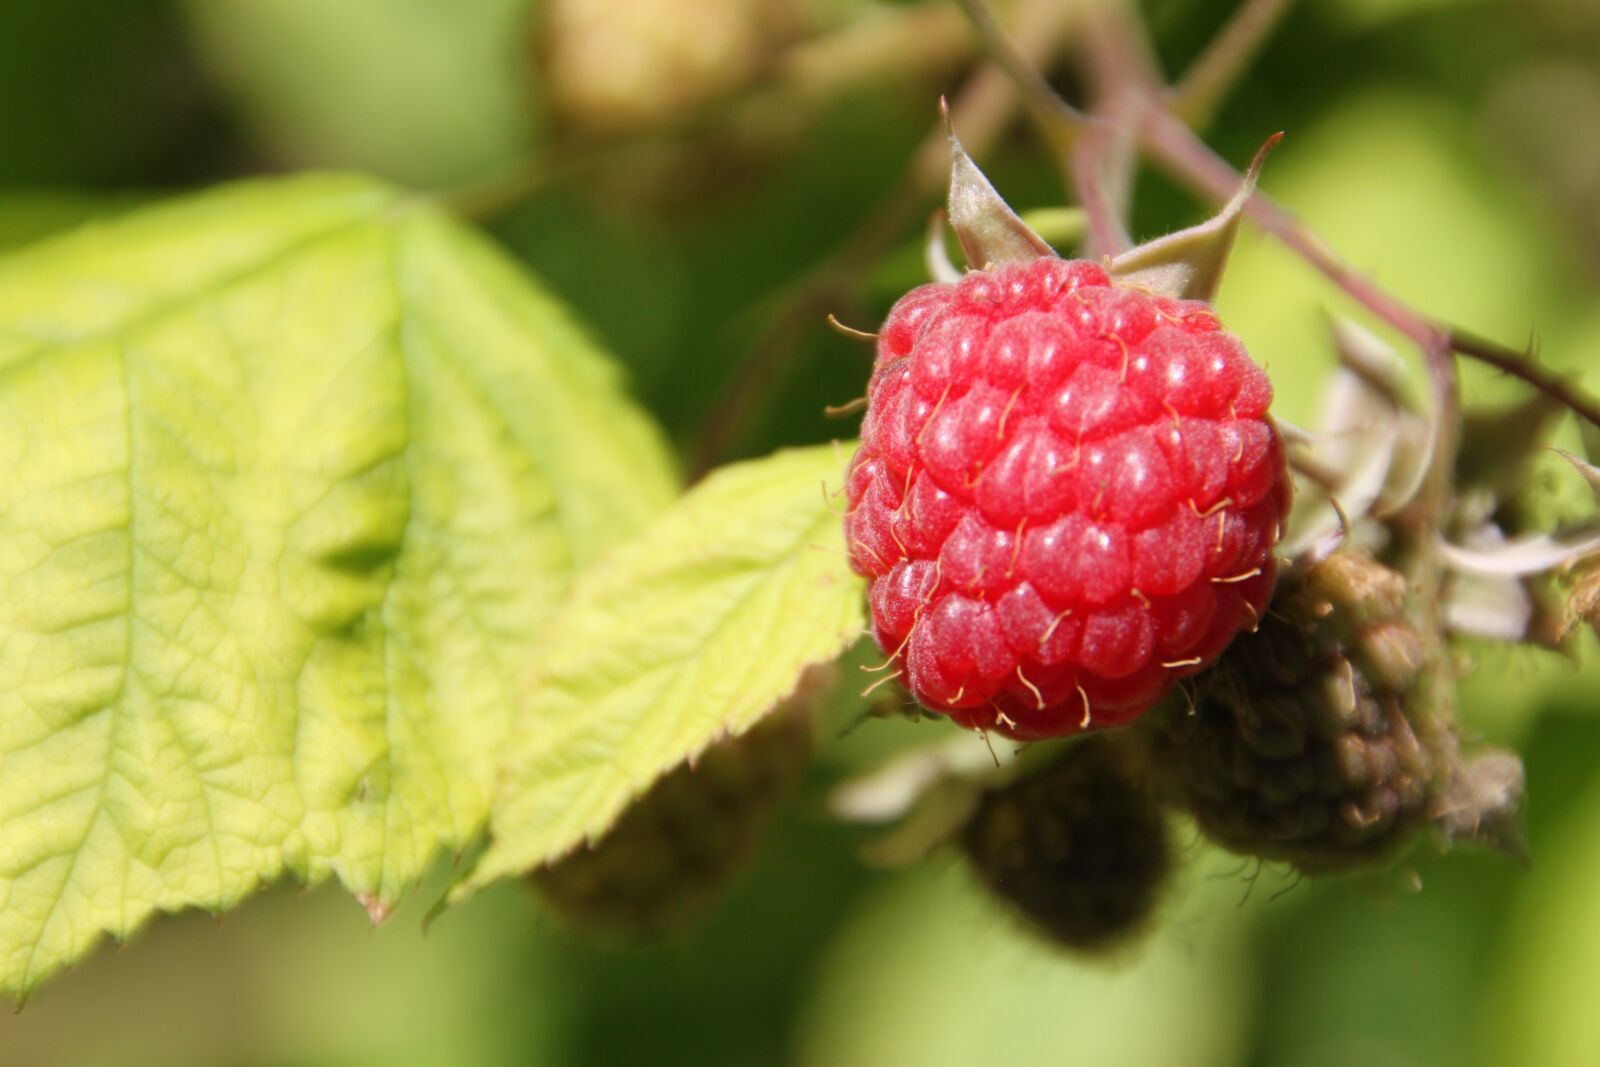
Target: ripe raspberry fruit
x=1066, y=497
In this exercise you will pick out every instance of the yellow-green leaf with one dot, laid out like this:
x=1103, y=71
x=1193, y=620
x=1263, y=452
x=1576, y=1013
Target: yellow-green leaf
x=691, y=631
x=295, y=471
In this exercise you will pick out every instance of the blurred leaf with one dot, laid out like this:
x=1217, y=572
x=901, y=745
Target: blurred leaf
x=1507, y=686
x=723, y=995
x=428, y=92
x=1367, y=972
x=300, y=979
x=295, y=471
x=28, y=216
x=693, y=630
x=1540, y=1007
x=929, y=973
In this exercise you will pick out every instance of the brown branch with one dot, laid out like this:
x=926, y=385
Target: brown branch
x=1521, y=365
x=1102, y=196
x=1217, y=69
x=1059, y=119
x=1121, y=72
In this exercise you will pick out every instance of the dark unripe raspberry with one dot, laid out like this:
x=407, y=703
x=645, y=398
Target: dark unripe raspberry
x=1309, y=741
x=678, y=848
x=1080, y=848
x=1066, y=497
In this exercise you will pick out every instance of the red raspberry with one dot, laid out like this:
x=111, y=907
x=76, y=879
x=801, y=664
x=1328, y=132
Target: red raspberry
x=1066, y=497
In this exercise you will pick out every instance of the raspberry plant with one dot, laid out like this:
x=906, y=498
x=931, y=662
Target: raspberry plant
x=330, y=544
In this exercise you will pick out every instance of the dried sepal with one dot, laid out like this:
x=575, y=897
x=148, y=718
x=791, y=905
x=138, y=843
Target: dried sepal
x=892, y=790
x=936, y=253
x=1495, y=592
x=1313, y=550
x=1497, y=607
x=989, y=231
x=1367, y=357
x=1373, y=359
x=1590, y=472
x=1188, y=264
x=1583, y=599
x=923, y=796
x=1491, y=555
x=1370, y=453
x=1369, y=444
x=1483, y=804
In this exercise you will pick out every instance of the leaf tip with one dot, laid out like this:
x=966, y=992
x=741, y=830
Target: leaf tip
x=439, y=907
x=376, y=907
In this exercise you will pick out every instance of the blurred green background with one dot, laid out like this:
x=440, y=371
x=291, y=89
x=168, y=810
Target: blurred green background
x=1451, y=148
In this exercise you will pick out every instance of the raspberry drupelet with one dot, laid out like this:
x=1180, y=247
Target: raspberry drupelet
x=1066, y=496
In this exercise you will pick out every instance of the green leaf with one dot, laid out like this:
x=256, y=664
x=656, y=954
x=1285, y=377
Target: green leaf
x=691, y=631
x=28, y=215
x=295, y=473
